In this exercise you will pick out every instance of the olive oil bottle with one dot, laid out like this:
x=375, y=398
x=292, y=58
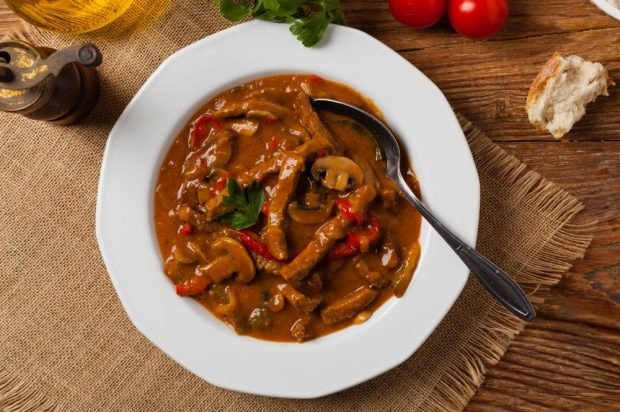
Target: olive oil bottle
x=69, y=16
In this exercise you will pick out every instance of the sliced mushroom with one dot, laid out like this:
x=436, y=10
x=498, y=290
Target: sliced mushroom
x=245, y=127
x=231, y=258
x=310, y=216
x=337, y=172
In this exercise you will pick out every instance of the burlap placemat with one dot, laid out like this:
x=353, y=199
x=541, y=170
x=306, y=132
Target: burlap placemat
x=65, y=341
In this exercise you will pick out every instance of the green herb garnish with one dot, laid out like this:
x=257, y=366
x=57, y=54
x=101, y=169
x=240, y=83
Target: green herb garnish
x=309, y=18
x=246, y=205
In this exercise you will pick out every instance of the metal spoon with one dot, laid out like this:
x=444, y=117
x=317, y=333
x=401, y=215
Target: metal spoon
x=495, y=280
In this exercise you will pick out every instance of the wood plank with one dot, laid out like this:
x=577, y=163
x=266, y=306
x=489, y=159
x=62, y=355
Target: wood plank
x=555, y=365
x=591, y=172
x=569, y=358
x=488, y=82
x=527, y=18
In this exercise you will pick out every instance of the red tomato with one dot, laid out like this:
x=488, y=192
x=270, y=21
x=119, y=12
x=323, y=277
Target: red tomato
x=418, y=13
x=478, y=19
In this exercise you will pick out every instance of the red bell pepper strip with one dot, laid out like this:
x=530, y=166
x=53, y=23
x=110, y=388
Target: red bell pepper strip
x=219, y=185
x=346, y=209
x=316, y=79
x=343, y=250
x=199, y=130
x=265, y=208
x=372, y=233
x=273, y=143
x=269, y=121
x=194, y=285
x=353, y=240
x=254, y=245
x=186, y=229
x=353, y=244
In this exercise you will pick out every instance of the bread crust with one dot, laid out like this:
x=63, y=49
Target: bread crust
x=547, y=72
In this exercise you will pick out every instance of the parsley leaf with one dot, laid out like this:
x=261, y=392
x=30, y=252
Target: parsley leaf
x=246, y=205
x=308, y=18
x=233, y=10
x=310, y=31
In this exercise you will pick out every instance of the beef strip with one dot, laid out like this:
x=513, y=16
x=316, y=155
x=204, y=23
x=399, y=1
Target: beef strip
x=302, y=302
x=271, y=267
x=348, y=306
x=311, y=121
x=274, y=234
x=327, y=235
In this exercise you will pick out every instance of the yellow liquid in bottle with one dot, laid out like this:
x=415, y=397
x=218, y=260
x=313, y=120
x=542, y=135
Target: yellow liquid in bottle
x=69, y=16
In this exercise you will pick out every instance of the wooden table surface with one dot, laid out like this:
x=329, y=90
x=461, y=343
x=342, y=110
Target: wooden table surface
x=569, y=358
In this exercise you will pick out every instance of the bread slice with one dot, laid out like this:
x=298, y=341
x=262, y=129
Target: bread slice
x=561, y=90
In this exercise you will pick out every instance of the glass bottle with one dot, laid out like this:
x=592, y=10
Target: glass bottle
x=69, y=16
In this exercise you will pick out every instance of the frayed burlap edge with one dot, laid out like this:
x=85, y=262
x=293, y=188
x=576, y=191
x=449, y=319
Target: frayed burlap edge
x=16, y=395
x=498, y=328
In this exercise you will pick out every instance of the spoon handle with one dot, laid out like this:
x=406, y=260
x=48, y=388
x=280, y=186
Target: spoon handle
x=501, y=286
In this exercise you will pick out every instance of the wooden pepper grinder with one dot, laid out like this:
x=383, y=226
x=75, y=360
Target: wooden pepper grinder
x=44, y=84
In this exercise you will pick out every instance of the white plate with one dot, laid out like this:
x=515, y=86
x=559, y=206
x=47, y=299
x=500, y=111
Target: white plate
x=415, y=109
x=605, y=6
